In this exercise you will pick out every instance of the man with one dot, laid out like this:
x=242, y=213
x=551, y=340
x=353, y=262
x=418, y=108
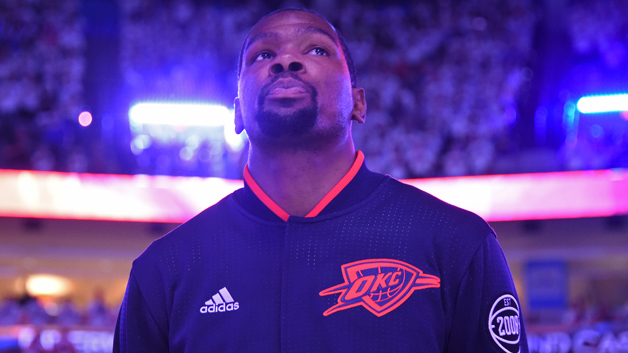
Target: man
x=316, y=253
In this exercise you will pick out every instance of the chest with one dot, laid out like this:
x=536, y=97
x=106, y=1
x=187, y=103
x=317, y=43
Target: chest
x=319, y=287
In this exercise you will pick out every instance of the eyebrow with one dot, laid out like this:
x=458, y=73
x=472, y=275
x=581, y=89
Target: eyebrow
x=300, y=31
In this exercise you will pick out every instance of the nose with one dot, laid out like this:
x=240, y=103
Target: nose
x=294, y=66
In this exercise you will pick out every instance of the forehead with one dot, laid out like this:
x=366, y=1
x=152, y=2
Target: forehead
x=297, y=22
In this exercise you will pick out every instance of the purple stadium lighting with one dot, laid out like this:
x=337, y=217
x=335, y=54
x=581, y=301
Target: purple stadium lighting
x=603, y=104
x=179, y=114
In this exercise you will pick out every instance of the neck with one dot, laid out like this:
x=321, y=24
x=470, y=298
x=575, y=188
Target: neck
x=298, y=180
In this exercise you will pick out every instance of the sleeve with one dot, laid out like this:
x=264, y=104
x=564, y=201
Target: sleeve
x=139, y=329
x=487, y=314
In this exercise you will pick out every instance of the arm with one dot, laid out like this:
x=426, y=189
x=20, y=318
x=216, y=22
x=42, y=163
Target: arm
x=487, y=315
x=140, y=329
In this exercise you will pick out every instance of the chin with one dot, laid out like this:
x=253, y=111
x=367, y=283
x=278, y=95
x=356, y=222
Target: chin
x=295, y=123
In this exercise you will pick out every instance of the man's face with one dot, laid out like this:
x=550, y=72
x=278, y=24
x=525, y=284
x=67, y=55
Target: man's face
x=295, y=88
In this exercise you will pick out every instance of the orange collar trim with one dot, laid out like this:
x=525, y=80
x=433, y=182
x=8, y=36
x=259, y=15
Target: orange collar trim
x=357, y=164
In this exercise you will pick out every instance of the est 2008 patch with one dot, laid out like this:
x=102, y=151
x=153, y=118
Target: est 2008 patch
x=504, y=323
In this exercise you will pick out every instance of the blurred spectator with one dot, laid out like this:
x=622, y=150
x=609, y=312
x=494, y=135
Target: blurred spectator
x=64, y=345
x=68, y=314
x=36, y=346
x=33, y=312
x=10, y=311
x=97, y=312
x=622, y=313
x=574, y=315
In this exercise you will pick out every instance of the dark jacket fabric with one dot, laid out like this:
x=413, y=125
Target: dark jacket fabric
x=385, y=267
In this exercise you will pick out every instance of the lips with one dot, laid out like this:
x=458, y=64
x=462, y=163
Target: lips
x=280, y=91
x=285, y=88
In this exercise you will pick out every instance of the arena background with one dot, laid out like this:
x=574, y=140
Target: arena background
x=476, y=101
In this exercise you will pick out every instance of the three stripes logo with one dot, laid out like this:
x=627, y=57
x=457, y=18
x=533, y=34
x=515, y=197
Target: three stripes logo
x=220, y=303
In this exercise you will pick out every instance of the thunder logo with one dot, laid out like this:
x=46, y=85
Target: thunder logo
x=380, y=285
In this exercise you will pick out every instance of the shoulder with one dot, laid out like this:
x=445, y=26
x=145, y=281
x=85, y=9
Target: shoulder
x=452, y=235
x=187, y=234
x=445, y=215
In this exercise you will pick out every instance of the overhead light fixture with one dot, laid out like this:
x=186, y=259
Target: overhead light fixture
x=43, y=284
x=179, y=114
x=603, y=104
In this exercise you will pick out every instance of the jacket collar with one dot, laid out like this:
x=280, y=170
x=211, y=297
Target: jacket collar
x=356, y=185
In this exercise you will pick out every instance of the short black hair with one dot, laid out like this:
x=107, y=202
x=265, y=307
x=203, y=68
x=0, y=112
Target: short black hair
x=341, y=40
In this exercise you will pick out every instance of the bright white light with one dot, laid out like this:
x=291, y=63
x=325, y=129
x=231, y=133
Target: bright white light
x=179, y=114
x=47, y=285
x=603, y=104
x=85, y=119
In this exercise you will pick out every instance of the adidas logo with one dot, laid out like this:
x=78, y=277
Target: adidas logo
x=220, y=302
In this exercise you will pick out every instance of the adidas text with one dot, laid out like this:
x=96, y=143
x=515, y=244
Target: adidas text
x=220, y=303
x=219, y=308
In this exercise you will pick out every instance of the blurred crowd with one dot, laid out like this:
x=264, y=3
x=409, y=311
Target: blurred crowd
x=47, y=325
x=443, y=81
x=599, y=39
x=581, y=313
x=29, y=310
x=42, y=67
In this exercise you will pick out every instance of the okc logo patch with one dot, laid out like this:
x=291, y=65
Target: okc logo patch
x=380, y=285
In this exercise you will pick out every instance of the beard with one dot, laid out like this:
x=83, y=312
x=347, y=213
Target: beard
x=296, y=123
x=281, y=126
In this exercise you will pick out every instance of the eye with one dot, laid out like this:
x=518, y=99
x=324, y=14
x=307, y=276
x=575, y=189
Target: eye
x=263, y=56
x=319, y=51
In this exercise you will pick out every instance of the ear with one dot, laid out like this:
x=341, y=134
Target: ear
x=239, y=124
x=359, y=105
